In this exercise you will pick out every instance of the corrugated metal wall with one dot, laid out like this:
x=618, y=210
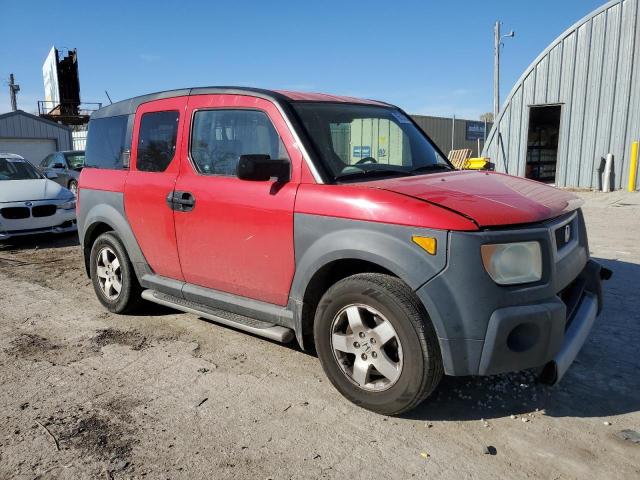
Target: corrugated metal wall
x=439, y=129
x=592, y=71
x=24, y=125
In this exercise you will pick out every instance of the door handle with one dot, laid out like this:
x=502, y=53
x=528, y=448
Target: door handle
x=181, y=201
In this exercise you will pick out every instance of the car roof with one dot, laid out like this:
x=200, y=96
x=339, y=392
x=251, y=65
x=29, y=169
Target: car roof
x=129, y=106
x=11, y=155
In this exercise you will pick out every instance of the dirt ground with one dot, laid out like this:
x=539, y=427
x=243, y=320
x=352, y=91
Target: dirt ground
x=88, y=394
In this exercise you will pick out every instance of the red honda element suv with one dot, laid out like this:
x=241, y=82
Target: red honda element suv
x=335, y=221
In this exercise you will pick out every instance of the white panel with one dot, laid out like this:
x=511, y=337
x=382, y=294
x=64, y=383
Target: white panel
x=555, y=71
x=514, y=152
x=607, y=89
x=593, y=84
x=566, y=94
x=528, y=92
x=623, y=86
x=541, y=81
x=578, y=105
x=633, y=121
x=32, y=149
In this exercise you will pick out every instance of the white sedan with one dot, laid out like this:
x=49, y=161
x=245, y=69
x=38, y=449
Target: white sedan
x=30, y=203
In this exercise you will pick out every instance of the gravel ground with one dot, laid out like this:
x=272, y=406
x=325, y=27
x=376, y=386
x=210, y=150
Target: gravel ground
x=88, y=394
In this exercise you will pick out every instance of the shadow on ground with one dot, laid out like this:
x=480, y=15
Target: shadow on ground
x=31, y=242
x=603, y=381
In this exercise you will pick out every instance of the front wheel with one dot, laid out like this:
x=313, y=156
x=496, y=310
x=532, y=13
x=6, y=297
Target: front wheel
x=376, y=343
x=112, y=275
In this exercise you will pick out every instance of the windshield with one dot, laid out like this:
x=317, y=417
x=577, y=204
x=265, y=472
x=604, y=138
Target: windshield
x=16, y=169
x=358, y=142
x=75, y=160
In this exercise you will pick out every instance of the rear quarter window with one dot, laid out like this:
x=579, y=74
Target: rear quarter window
x=107, y=139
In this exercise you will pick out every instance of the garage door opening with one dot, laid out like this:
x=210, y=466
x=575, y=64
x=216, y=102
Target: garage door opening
x=542, y=143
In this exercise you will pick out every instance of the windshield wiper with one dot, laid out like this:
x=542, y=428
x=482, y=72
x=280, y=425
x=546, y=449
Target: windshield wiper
x=431, y=168
x=382, y=172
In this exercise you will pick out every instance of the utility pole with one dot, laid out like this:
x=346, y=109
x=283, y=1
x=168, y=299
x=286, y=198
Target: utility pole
x=14, y=88
x=497, y=43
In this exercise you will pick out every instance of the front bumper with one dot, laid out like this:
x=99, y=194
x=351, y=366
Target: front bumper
x=485, y=329
x=547, y=333
x=35, y=221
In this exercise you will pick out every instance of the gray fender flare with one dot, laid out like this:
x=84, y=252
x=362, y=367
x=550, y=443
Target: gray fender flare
x=321, y=241
x=96, y=207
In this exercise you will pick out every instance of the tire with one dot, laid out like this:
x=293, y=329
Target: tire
x=413, y=352
x=73, y=186
x=127, y=299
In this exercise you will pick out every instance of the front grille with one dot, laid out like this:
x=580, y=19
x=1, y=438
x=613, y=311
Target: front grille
x=572, y=295
x=565, y=234
x=15, y=213
x=43, y=210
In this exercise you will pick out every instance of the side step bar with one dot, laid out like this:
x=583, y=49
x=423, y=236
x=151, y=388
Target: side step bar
x=251, y=325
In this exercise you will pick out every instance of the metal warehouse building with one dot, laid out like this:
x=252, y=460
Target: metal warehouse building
x=450, y=133
x=578, y=101
x=32, y=137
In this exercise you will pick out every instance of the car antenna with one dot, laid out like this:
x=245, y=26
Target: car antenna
x=107, y=94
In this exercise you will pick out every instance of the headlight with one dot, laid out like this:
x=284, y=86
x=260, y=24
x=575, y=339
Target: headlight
x=512, y=263
x=70, y=205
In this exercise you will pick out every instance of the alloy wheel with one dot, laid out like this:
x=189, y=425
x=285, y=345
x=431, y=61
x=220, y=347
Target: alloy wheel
x=367, y=348
x=109, y=273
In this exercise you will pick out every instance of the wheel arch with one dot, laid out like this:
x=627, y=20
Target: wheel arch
x=100, y=212
x=332, y=249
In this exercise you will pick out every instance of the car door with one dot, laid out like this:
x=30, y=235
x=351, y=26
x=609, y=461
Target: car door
x=60, y=167
x=44, y=164
x=151, y=180
x=53, y=168
x=238, y=237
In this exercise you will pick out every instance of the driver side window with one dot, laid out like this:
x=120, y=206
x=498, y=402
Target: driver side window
x=45, y=162
x=220, y=137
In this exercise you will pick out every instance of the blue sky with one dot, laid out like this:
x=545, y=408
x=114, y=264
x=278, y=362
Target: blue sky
x=429, y=57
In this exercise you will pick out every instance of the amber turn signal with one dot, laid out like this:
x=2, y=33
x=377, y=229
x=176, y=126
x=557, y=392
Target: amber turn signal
x=428, y=244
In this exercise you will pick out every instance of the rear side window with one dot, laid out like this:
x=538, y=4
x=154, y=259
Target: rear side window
x=106, y=142
x=220, y=137
x=157, y=141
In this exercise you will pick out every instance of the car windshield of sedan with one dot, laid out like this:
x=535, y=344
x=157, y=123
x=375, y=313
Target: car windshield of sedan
x=16, y=169
x=360, y=142
x=75, y=160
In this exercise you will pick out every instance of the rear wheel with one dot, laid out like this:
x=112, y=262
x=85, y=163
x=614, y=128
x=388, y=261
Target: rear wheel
x=112, y=275
x=377, y=344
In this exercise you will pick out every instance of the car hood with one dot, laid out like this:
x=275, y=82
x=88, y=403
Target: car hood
x=488, y=198
x=31, y=190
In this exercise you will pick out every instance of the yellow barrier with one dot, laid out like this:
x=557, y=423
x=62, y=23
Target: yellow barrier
x=477, y=163
x=633, y=168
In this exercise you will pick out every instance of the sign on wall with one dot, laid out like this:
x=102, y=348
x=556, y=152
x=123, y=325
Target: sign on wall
x=474, y=131
x=361, y=151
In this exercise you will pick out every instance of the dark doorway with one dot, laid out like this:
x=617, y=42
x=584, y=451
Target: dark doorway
x=542, y=143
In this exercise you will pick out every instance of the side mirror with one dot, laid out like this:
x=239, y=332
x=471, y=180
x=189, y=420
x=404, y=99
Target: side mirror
x=58, y=165
x=51, y=175
x=262, y=168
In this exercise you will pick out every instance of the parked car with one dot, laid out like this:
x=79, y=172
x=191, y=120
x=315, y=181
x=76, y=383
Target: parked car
x=64, y=168
x=30, y=203
x=336, y=221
